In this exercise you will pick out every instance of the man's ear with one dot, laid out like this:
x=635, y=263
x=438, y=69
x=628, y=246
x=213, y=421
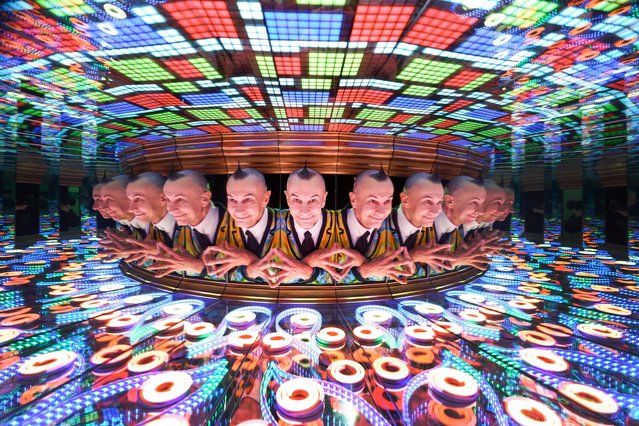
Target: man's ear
x=448, y=200
x=403, y=198
x=206, y=197
x=267, y=196
x=323, y=199
x=351, y=197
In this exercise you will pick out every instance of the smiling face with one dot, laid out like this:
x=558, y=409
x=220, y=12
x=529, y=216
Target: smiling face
x=306, y=199
x=422, y=203
x=187, y=202
x=372, y=201
x=98, y=204
x=146, y=201
x=466, y=204
x=507, y=207
x=246, y=200
x=495, y=199
x=114, y=201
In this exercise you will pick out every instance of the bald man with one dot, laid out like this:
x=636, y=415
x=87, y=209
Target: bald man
x=103, y=220
x=198, y=221
x=463, y=204
x=116, y=204
x=248, y=234
x=503, y=221
x=495, y=198
x=365, y=229
x=412, y=221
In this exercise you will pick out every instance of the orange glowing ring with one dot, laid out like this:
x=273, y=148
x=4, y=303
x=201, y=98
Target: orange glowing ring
x=198, y=330
x=16, y=281
x=169, y=325
x=613, y=309
x=348, y=373
x=576, y=31
x=536, y=33
x=63, y=291
x=600, y=331
x=34, y=392
x=536, y=338
x=588, y=397
x=10, y=274
x=528, y=412
x=447, y=330
x=165, y=388
x=112, y=355
x=420, y=357
x=420, y=335
x=544, y=359
x=604, y=288
x=587, y=55
x=454, y=384
x=277, y=342
x=5, y=313
x=48, y=363
x=450, y=416
x=626, y=42
x=558, y=332
x=619, y=11
x=147, y=361
x=472, y=315
x=19, y=321
x=391, y=370
x=242, y=341
x=522, y=306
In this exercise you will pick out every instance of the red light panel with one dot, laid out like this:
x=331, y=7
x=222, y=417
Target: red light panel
x=155, y=100
x=439, y=29
x=339, y=127
x=463, y=78
x=215, y=128
x=203, y=19
x=367, y=96
x=380, y=23
x=288, y=65
x=295, y=112
x=238, y=113
x=253, y=93
x=446, y=123
x=183, y=68
x=457, y=105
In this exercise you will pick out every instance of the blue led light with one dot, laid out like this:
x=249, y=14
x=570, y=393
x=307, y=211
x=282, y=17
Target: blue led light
x=304, y=26
x=123, y=33
x=307, y=127
x=406, y=102
x=211, y=99
x=256, y=128
x=305, y=97
x=121, y=108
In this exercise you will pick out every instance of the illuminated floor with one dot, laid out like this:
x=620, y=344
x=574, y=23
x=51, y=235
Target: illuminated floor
x=82, y=344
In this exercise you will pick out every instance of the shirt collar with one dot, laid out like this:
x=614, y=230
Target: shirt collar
x=355, y=228
x=124, y=222
x=166, y=224
x=259, y=228
x=470, y=226
x=443, y=225
x=208, y=225
x=314, y=230
x=139, y=224
x=406, y=228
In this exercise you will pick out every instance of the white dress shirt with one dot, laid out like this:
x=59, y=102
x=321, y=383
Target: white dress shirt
x=259, y=228
x=355, y=228
x=443, y=225
x=406, y=228
x=166, y=224
x=208, y=225
x=315, y=230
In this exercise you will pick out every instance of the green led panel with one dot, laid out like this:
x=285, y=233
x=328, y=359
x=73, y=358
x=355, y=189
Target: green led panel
x=497, y=131
x=66, y=7
x=209, y=114
x=325, y=112
x=266, y=65
x=316, y=84
x=426, y=71
x=441, y=131
x=374, y=114
x=412, y=120
x=280, y=112
x=416, y=90
x=205, y=68
x=254, y=113
x=167, y=117
x=142, y=69
x=181, y=87
x=99, y=97
x=478, y=81
x=524, y=13
x=468, y=126
x=334, y=64
x=373, y=124
x=314, y=121
x=232, y=122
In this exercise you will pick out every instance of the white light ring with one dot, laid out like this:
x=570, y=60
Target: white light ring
x=198, y=330
x=92, y=304
x=111, y=287
x=429, y=309
x=48, y=363
x=243, y=340
x=346, y=372
x=169, y=325
x=475, y=299
x=596, y=401
x=453, y=383
x=179, y=309
x=442, y=414
x=522, y=306
x=112, y=355
x=447, y=329
x=612, y=309
x=536, y=338
x=289, y=393
x=241, y=318
x=275, y=342
x=147, y=361
x=122, y=323
x=8, y=334
x=517, y=408
x=108, y=28
x=420, y=333
x=165, y=388
x=391, y=369
x=114, y=11
x=600, y=331
x=137, y=299
x=544, y=359
x=304, y=320
x=604, y=288
x=331, y=336
x=472, y=315
x=367, y=334
x=377, y=317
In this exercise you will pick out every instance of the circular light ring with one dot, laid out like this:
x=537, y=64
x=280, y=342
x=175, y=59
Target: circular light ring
x=112, y=357
x=138, y=299
x=528, y=412
x=558, y=332
x=98, y=319
x=20, y=321
x=304, y=321
x=366, y=356
x=420, y=335
x=169, y=326
x=391, y=373
x=78, y=300
x=111, y=287
x=588, y=397
x=472, y=315
x=449, y=416
x=536, y=338
x=429, y=310
x=114, y=11
x=378, y=317
x=604, y=288
x=453, y=387
x=5, y=313
x=612, y=309
x=331, y=337
x=494, y=19
x=419, y=357
x=242, y=341
x=522, y=306
x=299, y=401
x=8, y=334
x=35, y=392
x=475, y=299
x=147, y=362
x=493, y=311
x=179, y=309
x=198, y=331
x=585, y=299
x=164, y=389
x=240, y=320
x=122, y=323
x=47, y=364
x=347, y=373
x=102, y=278
x=367, y=335
x=329, y=357
x=277, y=343
x=494, y=288
x=93, y=304
x=63, y=291
x=599, y=332
x=447, y=330
x=544, y=359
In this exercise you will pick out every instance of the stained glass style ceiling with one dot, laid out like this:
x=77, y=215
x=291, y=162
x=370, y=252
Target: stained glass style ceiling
x=481, y=74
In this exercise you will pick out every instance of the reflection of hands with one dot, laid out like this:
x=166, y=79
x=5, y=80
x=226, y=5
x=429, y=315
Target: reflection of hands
x=140, y=251
x=431, y=255
x=114, y=243
x=233, y=257
x=168, y=261
x=289, y=269
x=261, y=268
x=397, y=265
x=324, y=259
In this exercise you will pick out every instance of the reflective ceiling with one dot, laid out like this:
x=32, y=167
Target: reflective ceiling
x=93, y=77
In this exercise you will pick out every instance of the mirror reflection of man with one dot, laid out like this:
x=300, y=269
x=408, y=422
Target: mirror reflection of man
x=364, y=229
x=492, y=209
x=148, y=204
x=198, y=220
x=463, y=203
x=306, y=238
x=503, y=220
x=248, y=237
x=421, y=202
x=116, y=205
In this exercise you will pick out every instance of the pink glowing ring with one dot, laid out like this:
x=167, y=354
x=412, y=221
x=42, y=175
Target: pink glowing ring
x=528, y=412
x=165, y=389
x=147, y=362
x=277, y=343
x=545, y=360
x=536, y=338
x=299, y=401
x=47, y=364
x=243, y=341
x=453, y=387
x=420, y=335
x=391, y=373
x=347, y=373
x=588, y=397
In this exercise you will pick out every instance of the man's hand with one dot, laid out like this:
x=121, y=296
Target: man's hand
x=114, y=243
x=397, y=265
x=139, y=251
x=326, y=259
x=432, y=255
x=289, y=269
x=261, y=268
x=233, y=257
x=168, y=261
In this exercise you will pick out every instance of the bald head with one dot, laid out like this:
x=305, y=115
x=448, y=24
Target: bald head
x=146, y=198
x=247, y=196
x=306, y=196
x=464, y=200
x=422, y=199
x=495, y=198
x=188, y=197
x=372, y=198
x=98, y=203
x=114, y=200
x=507, y=206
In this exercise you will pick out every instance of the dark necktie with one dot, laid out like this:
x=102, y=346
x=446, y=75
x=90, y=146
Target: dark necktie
x=457, y=238
x=251, y=243
x=362, y=243
x=411, y=240
x=307, y=245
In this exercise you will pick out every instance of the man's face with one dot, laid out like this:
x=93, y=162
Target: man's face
x=493, y=204
x=246, y=200
x=306, y=199
x=372, y=201
x=146, y=202
x=507, y=207
x=114, y=201
x=466, y=204
x=98, y=204
x=186, y=201
x=422, y=203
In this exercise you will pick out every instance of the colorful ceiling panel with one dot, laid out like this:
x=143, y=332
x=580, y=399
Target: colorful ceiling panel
x=473, y=73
